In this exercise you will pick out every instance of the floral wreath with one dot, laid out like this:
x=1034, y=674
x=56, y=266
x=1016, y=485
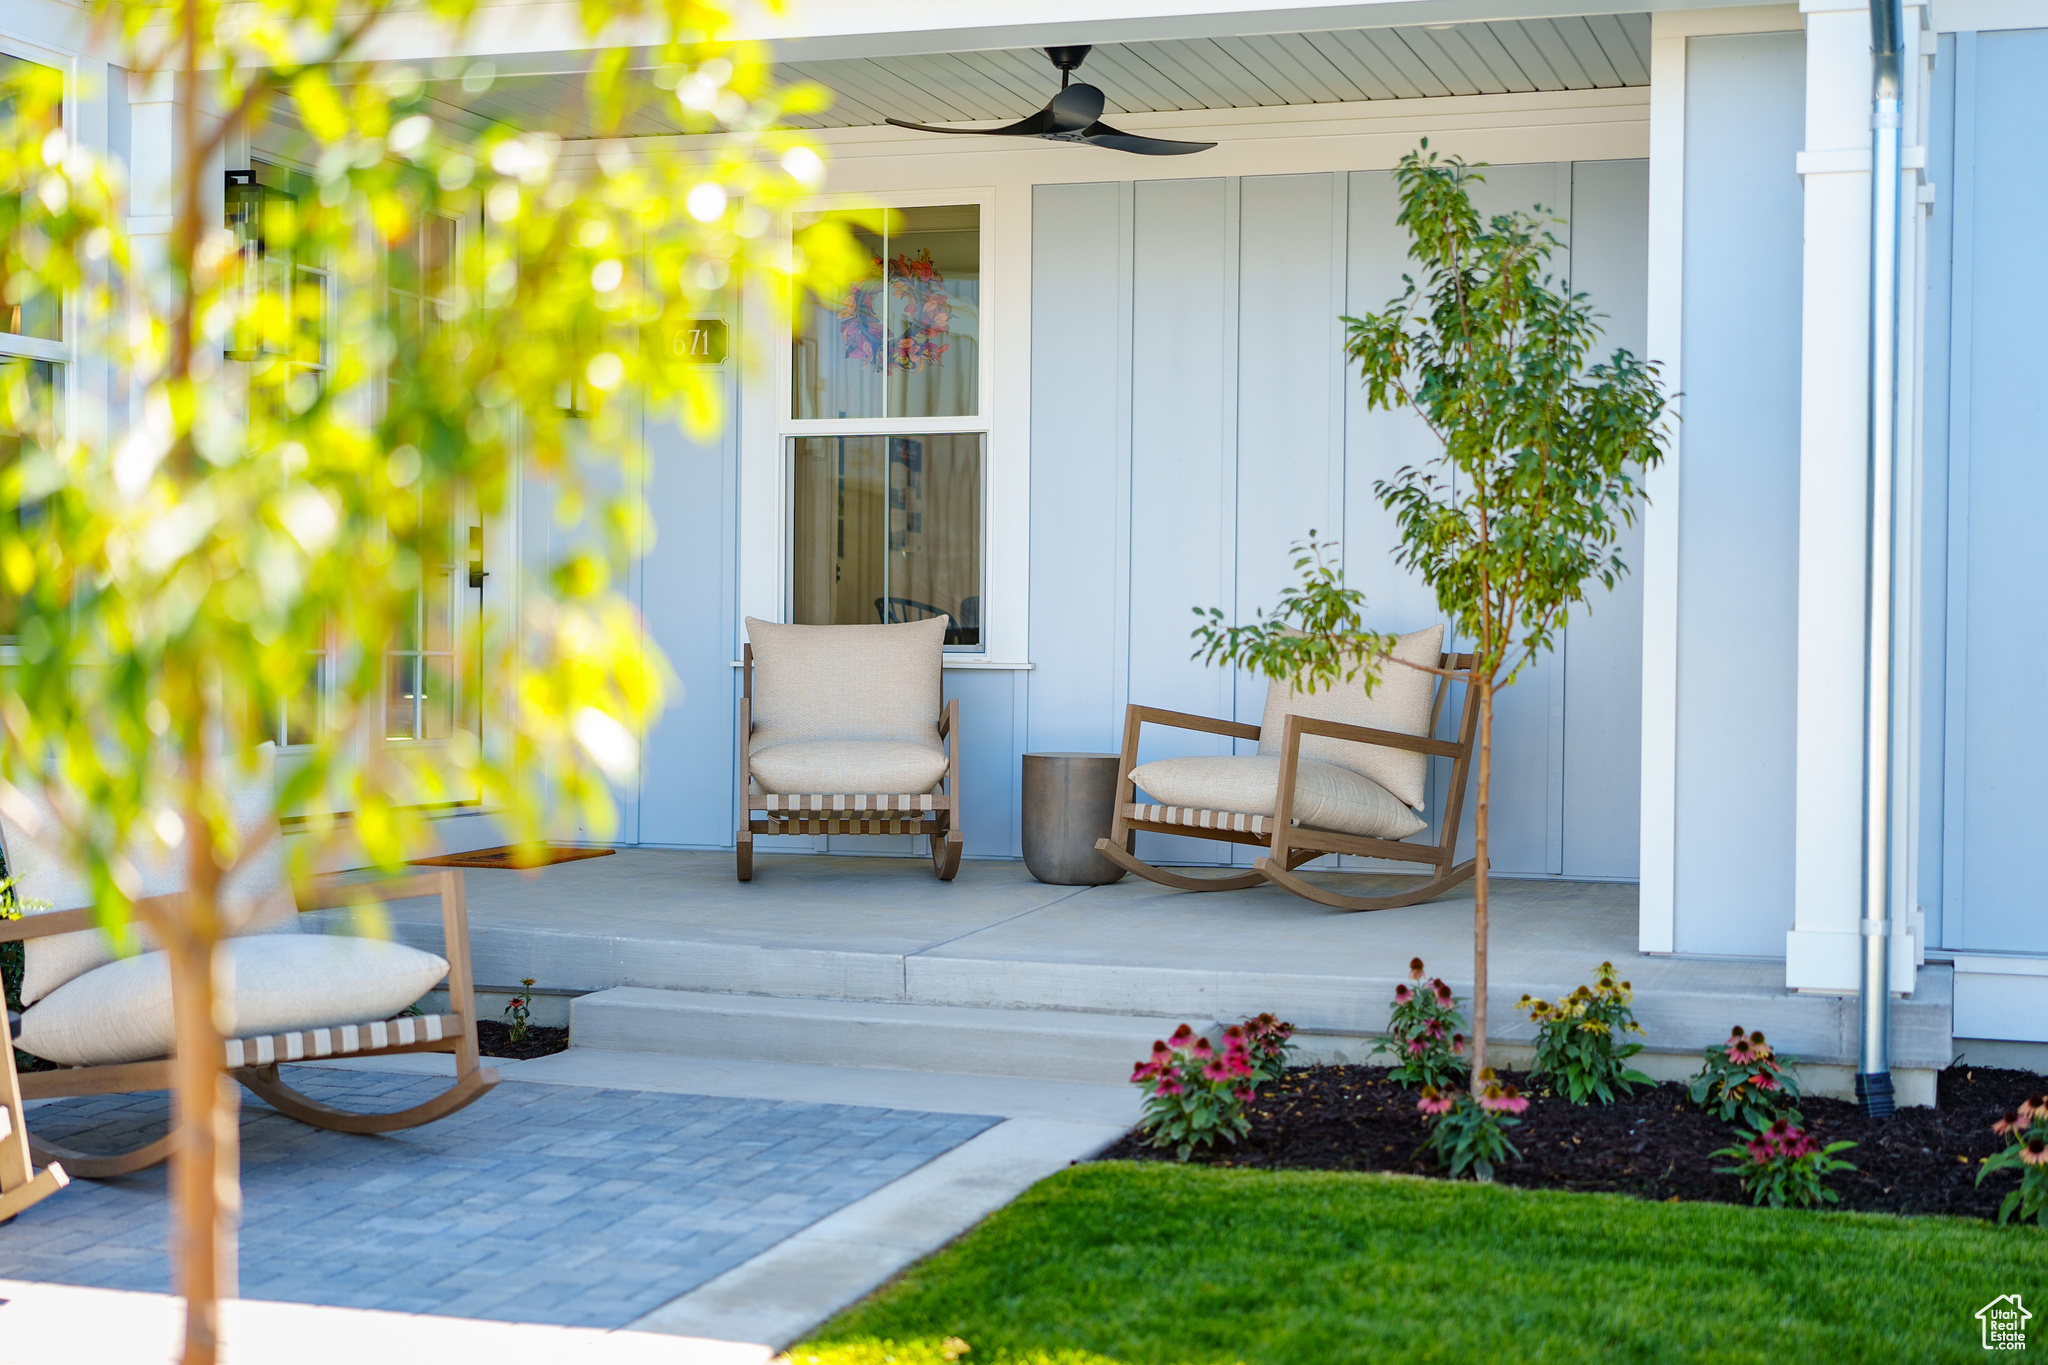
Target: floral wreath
x=926, y=312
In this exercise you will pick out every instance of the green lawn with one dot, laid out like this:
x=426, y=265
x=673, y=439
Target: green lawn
x=1148, y=1264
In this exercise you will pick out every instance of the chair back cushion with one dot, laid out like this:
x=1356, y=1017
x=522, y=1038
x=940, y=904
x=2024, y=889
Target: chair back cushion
x=847, y=682
x=256, y=897
x=274, y=983
x=1325, y=795
x=1400, y=702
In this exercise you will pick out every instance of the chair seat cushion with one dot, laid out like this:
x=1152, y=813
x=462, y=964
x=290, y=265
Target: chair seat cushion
x=849, y=765
x=1325, y=796
x=275, y=983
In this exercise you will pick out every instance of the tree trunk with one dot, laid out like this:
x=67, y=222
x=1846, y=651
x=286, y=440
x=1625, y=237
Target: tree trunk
x=205, y=1162
x=206, y=1158
x=1479, y=841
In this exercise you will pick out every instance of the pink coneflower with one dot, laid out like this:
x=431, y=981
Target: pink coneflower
x=1171, y=1086
x=1443, y=993
x=1202, y=1049
x=2034, y=1150
x=1217, y=1070
x=1182, y=1035
x=1458, y=1044
x=1435, y=1028
x=1144, y=1071
x=1503, y=1101
x=1237, y=1064
x=1433, y=1104
x=1739, y=1050
x=1234, y=1034
x=1416, y=1047
x=1402, y=995
x=1244, y=1094
x=1763, y=1081
x=1415, y=969
x=2011, y=1123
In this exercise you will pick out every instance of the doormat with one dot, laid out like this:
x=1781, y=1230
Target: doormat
x=520, y=859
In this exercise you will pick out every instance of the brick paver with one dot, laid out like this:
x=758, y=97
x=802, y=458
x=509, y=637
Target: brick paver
x=538, y=1203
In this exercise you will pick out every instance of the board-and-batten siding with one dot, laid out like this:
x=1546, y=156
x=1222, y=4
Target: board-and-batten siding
x=1739, y=495
x=1192, y=418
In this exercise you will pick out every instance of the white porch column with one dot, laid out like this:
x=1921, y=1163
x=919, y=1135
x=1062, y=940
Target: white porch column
x=1821, y=950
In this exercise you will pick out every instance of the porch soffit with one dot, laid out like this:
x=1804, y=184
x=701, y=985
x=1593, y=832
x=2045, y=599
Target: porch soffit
x=1247, y=71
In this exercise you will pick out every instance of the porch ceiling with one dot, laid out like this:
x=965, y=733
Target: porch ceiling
x=1249, y=71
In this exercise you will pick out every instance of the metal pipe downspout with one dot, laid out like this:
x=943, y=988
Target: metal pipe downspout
x=1873, y=1063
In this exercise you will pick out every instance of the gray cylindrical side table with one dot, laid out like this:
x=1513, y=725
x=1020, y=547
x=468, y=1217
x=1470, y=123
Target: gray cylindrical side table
x=1069, y=802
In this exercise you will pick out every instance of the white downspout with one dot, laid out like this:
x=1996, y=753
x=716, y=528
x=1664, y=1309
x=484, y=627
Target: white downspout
x=1873, y=1063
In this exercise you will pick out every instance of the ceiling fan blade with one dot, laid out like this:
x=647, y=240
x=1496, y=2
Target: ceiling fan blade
x=1074, y=109
x=1037, y=125
x=1099, y=134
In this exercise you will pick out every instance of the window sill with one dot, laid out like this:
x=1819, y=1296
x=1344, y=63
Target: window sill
x=967, y=661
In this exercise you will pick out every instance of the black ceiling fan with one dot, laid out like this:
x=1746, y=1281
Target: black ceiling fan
x=1074, y=115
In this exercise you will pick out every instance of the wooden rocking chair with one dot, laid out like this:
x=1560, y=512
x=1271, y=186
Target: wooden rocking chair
x=1289, y=844
x=21, y=1185
x=254, y=1061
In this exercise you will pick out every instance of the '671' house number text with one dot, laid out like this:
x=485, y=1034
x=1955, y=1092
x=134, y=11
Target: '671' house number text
x=700, y=341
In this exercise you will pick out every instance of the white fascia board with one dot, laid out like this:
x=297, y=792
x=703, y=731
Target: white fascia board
x=823, y=30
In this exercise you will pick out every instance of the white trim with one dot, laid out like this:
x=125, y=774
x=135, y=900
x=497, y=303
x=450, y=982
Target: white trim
x=971, y=662
x=1657, y=915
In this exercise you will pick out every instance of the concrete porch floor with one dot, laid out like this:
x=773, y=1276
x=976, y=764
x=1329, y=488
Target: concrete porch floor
x=884, y=929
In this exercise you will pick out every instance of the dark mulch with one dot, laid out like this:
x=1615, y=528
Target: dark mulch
x=495, y=1039
x=1654, y=1145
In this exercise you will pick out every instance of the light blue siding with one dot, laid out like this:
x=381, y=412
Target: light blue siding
x=688, y=591
x=1739, y=496
x=1080, y=454
x=1997, y=628
x=1601, y=781
x=1183, y=456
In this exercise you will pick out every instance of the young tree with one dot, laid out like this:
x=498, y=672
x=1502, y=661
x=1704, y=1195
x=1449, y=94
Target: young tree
x=1524, y=508
x=283, y=493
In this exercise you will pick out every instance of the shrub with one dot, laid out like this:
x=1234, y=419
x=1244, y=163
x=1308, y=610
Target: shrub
x=2027, y=1126
x=1579, y=1051
x=1269, y=1042
x=1195, y=1094
x=1782, y=1164
x=1468, y=1132
x=1743, y=1081
x=1422, y=1034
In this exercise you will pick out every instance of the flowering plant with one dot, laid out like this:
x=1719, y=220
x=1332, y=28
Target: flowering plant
x=1578, y=1040
x=1195, y=1093
x=1422, y=1033
x=1468, y=1132
x=519, y=1009
x=1743, y=1080
x=1267, y=1040
x=1782, y=1164
x=2027, y=1126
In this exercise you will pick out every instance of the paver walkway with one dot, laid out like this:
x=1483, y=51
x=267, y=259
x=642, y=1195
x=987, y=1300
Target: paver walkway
x=540, y=1203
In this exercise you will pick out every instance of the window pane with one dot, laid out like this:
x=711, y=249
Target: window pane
x=836, y=351
x=935, y=312
x=401, y=683
x=26, y=86
x=888, y=528
x=28, y=420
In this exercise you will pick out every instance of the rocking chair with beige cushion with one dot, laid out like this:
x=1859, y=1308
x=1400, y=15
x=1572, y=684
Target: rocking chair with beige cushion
x=105, y=1018
x=21, y=1184
x=1337, y=771
x=842, y=731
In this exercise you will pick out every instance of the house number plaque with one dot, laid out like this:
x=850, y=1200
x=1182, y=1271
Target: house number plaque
x=701, y=341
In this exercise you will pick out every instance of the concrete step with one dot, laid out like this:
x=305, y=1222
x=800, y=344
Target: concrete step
x=1061, y=1045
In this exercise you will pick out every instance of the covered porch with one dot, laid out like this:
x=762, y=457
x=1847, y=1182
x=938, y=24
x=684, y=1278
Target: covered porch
x=870, y=961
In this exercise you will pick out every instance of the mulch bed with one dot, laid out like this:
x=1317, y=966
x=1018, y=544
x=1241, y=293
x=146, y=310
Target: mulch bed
x=1654, y=1145
x=495, y=1040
